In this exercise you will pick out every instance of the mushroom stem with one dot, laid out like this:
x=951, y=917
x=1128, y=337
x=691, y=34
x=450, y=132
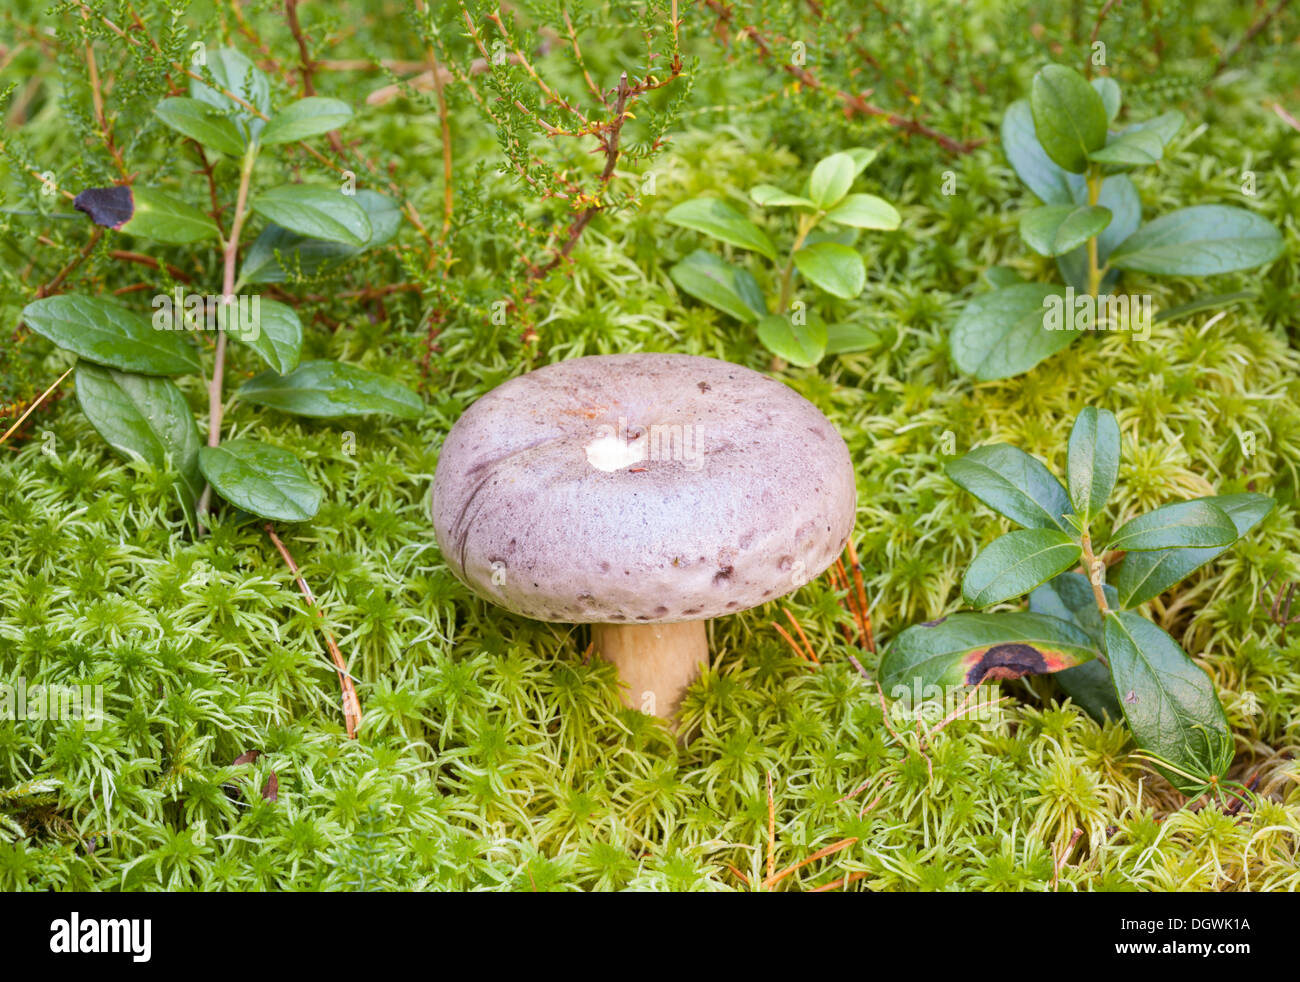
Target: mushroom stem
x=656, y=662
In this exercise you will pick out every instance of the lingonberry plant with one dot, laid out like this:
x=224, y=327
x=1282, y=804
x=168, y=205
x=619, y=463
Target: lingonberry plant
x=1106, y=656
x=825, y=258
x=127, y=359
x=1061, y=144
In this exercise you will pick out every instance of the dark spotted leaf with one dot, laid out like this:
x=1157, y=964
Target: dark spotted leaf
x=109, y=334
x=1144, y=575
x=261, y=479
x=1070, y=597
x=109, y=207
x=965, y=649
x=1093, y=461
x=1014, y=484
x=1169, y=702
x=1013, y=564
x=1199, y=522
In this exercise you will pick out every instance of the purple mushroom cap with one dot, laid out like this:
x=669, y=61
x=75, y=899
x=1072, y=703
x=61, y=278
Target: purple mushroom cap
x=639, y=489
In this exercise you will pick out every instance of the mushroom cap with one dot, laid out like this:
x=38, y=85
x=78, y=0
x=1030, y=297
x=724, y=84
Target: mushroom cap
x=641, y=488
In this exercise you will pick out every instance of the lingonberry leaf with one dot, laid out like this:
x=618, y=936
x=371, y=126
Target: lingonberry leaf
x=306, y=117
x=831, y=179
x=261, y=479
x=1092, y=463
x=1001, y=333
x=1013, y=564
x=720, y=284
x=202, y=122
x=1056, y=229
x=799, y=344
x=719, y=220
x=1014, y=484
x=1199, y=522
x=1069, y=116
x=332, y=389
x=1070, y=597
x=109, y=334
x=316, y=211
x=835, y=268
x=1203, y=240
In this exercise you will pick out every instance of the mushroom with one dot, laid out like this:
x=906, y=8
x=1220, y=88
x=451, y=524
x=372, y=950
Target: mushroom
x=642, y=494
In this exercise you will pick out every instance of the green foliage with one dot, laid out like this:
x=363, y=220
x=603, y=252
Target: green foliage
x=827, y=260
x=1168, y=702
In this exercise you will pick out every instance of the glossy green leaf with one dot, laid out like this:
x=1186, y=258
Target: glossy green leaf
x=306, y=117
x=331, y=389
x=238, y=76
x=278, y=254
x=847, y=338
x=261, y=479
x=1003, y=333
x=1134, y=148
x=1111, y=98
x=1028, y=158
x=864, y=211
x=1055, y=229
x=109, y=334
x=146, y=418
x=835, y=268
x=315, y=211
x=1169, y=702
x=799, y=344
x=1200, y=241
x=1013, y=564
x=1197, y=523
x=1093, y=461
x=1165, y=126
x=164, y=218
x=966, y=649
x=831, y=179
x=272, y=329
x=1142, y=576
x=1014, y=484
x=1069, y=116
x=203, y=123
x=770, y=196
x=719, y=220
x=719, y=284
x=1070, y=597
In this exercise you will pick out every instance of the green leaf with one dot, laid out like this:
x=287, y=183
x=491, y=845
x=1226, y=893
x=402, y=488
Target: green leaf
x=1169, y=702
x=770, y=196
x=331, y=389
x=315, y=211
x=835, y=268
x=1200, y=241
x=799, y=344
x=1003, y=333
x=1133, y=148
x=1014, y=484
x=1093, y=461
x=1013, y=564
x=842, y=339
x=719, y=284
x=864, y=211
x=1209, y=302
x=239, y=76
x=277, y=254
x=109, y=334
x=1028, y=158
x=862, y=158
x=203, y=123
x=306, y=117
x=1119, y=196
x=966, y=649
x=273, y=330
x=261, y=479
x=1070, y=597
x=831, y=179
x=164, y=218
x=145, y=418
x=1144, y=575
x=999, y=276
x=1165, y=126
x=1055, y=229
x=719, y=220
x=1198, y=522
x=1108, y=89
x=1069, y=116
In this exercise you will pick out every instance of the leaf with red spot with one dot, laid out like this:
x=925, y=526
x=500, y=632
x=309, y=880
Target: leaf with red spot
x=109, y=207
x=969, y=648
